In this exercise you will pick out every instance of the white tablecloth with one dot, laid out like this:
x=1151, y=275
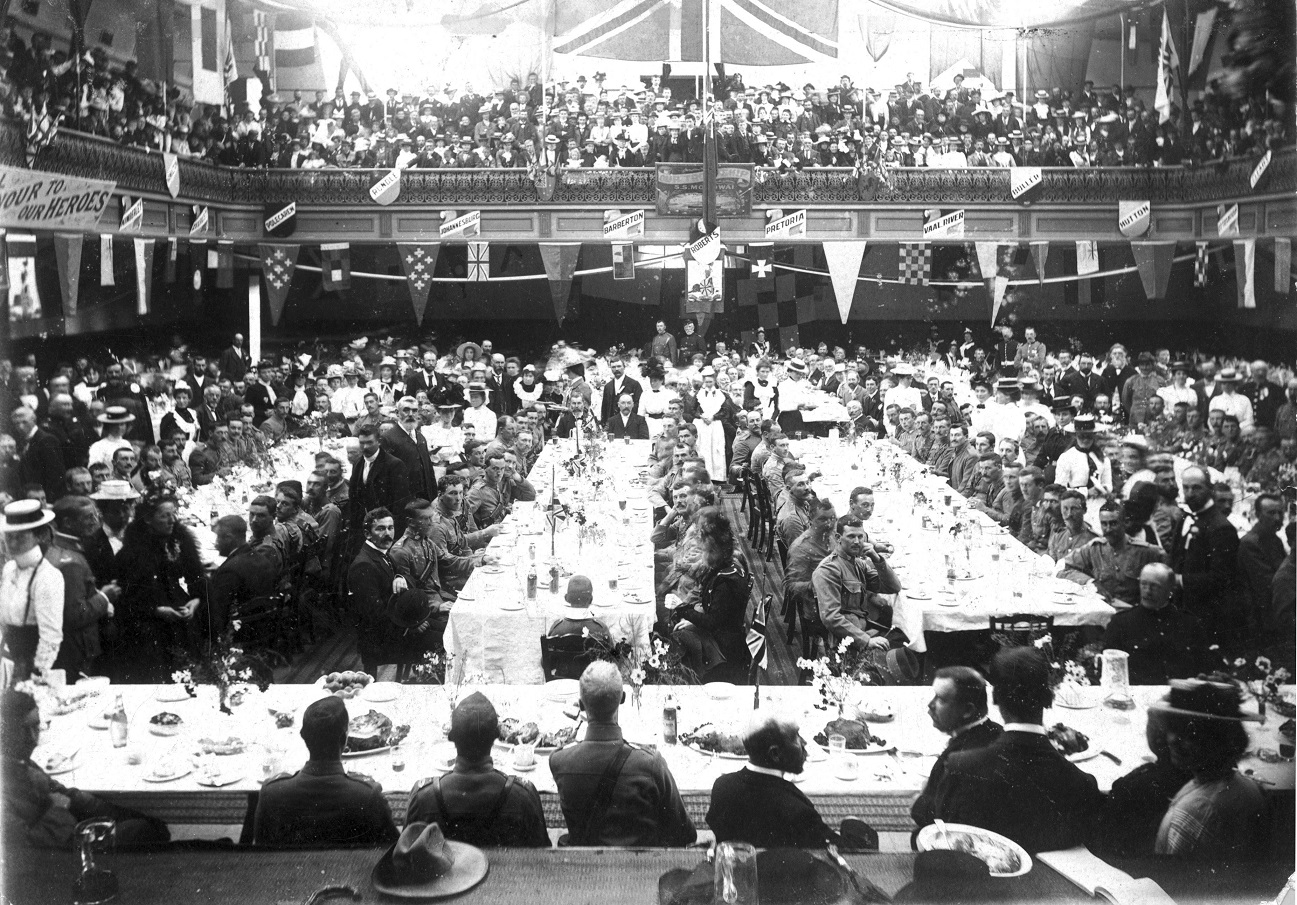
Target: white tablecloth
x=502, y=645
x=997, y=575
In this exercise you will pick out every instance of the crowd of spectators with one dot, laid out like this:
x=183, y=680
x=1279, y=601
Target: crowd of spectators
x=587, y=123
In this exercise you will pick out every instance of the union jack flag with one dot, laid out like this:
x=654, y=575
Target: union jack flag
x=757, y=636
x=752, y=32
x=41, y=130
x=479, y=261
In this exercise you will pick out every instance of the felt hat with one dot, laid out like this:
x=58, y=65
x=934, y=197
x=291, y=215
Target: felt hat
x=1204, y=699
x=424, y=864
x=25, y=515
x=409, y=607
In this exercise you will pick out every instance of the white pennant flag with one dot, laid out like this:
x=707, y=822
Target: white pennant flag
x=988, y=258
x=1245, y=271
x=1087, y=257
x=1168, y=73
x=844, y=260
x=999, y=285
x=106, y=261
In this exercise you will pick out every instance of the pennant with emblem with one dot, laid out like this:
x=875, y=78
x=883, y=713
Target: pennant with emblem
x=1133, y=218
x=171, y=170
x=277, y=265
x=23, y=293
x=201, y=222
x=479, y=262
x=1025, y=183
x=335, y=266
x=132, y=214
x=916, y=263
x=623, y=261
x=387, y=189
x=1227, y=220
x=418, y=261
x=281, y=219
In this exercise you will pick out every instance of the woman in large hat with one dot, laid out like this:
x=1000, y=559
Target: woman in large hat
x=31, y=594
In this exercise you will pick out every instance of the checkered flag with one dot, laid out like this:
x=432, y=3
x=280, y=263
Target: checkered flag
x=1200, y=266
x=916, y=263
x=418, y=262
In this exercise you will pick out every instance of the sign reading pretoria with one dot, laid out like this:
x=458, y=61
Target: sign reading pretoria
x=680, y=189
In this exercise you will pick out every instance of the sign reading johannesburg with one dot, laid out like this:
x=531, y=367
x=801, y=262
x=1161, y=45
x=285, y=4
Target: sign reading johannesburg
x=32, y=199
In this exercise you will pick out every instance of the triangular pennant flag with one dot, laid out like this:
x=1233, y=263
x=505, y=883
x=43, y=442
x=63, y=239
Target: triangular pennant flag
x=916, y=263
x=1203, y=24
x=1087, y=257
x=143, y=275
x=1200, y=265
x=1154, y=262
x=225, y=265
x=172, y=251
x=277, y=265
x=999, y=285
x=171, y=169
x=1283, y=282
x=1245, y=271
x=23, y=294
x=4, y=268
x=843, y=259
x=336, y=266
x=479, y=262
x=418, y=262
x=67, y=254
x=1040, y=254
x=988, y=259
x=560, y=263
x=623, y=261
x=106, y=261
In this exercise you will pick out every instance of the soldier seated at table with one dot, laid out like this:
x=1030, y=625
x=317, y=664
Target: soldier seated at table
x=847, y=584
x=1114, y=561
x=578, y=620
x=322, y=804
x=40, y=811
x=642, y=804
x=786, y=818
x=476, y=803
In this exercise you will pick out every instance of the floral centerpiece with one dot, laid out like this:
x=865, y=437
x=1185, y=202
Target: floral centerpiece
x=1263, y=681
x=225, y=665
x=836, y=679
x=1067, y=670
x=660, y=663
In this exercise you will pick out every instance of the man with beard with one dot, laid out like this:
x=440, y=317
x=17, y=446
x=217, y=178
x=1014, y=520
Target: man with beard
x=62, y=423
x=1082, y=381
x=406, y=442
x=1114, y=561
x=457, y=535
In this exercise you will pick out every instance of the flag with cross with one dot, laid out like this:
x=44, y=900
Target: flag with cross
x=277, y=265
x=418, y=261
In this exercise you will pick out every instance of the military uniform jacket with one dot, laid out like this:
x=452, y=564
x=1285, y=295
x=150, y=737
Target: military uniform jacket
x=646, y=808
x=321, y=805
x=473, y=810
x=842, y=587
x=1115, y=572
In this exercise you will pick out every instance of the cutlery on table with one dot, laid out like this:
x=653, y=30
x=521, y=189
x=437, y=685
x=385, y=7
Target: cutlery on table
x=867, y=890
x=1112, y=757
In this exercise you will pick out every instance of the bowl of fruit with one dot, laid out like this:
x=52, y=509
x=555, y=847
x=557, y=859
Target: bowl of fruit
x=346, y=684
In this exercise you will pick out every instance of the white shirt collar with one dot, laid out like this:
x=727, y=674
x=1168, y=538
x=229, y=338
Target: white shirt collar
x=1033, y=728
x=964, y=728
x=768, y=771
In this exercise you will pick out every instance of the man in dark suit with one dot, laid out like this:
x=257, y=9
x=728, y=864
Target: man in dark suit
x=322, y=804
x=959, y=709
x=378, y=479
x=261, y=393
x=1020, y=785
x=1260, y=553
x=40, y=456
x=1205, y=558
x=1084, y=381
x=1265, y=394
x=1006, y=353
x=407, y=443
x=624, y=423
x=244, y=575
x=234, y=360
x=619, y=384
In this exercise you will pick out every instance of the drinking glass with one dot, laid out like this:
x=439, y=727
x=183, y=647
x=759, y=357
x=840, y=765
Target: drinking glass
x=94, y=884
x=837, y=745
x=735, y=878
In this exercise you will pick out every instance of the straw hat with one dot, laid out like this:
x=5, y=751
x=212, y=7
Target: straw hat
x=24, y=515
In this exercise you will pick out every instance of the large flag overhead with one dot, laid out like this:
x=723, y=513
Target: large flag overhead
x=1168, y=73
x=750, y=32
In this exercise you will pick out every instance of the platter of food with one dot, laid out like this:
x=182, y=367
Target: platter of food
x=346, y=684
x=372, y=733
x=519, y=732
x=711, y=741
x=166, y=769
x=56, y=763
x=1002, y=855
x=859, y=739
x=165, y=723
x=1073, y=745
x=222, y=747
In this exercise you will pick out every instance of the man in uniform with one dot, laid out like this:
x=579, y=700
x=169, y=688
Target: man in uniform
x=806, y=553
x=1073, y=534
x=491, y=495
x=844, y=583
x=475, y=803
x=322, y=804
x=416, y=557
x=795, y=511
x=456, y=535
x=579, y=620
x=1114, y=561
x=612, y=792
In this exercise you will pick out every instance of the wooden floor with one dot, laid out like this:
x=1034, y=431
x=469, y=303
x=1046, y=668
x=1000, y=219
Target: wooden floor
x=338, y=651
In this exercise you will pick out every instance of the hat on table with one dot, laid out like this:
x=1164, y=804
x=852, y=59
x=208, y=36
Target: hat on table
x=425, y=864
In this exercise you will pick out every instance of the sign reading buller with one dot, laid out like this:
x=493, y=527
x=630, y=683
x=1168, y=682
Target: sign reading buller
x=36, y=200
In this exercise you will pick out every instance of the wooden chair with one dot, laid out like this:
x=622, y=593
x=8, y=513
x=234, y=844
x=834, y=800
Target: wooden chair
x=765, y=542
x=787, y=606
x=566, y=656
x=1020, y=629
x=751, y=499
x=267, y=626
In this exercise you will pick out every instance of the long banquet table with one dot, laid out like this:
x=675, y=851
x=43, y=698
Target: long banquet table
x=193, y=874
x=494, y=629
x=881, y=793
x=996, y=575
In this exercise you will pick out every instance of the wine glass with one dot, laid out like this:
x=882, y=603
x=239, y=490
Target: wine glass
x=621, y=502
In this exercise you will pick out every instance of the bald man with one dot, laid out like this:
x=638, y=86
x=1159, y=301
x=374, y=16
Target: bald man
x=1163, y=641
x=644, y=807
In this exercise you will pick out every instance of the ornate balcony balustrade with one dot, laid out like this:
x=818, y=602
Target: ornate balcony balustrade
x=136, y=170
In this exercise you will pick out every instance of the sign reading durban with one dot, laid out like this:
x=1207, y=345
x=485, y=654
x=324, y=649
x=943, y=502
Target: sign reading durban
x=36, y=200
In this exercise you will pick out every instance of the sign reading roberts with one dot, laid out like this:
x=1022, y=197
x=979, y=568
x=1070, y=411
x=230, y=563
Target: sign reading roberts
x=36, y=200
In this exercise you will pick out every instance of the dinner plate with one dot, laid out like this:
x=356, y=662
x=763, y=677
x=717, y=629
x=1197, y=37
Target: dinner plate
x=153, y=777
x=918, y=595
x=171, y=694
x=492, y=570
x=948, y=601
x=717, y=754
x=511, y=608
x=930, y=838
x=67, y=767
x=98, y=722
x=719, y=691
x=636, y=599
x=378, y=692
x=864, y=752
x=467, y=598
x=559, y=690
x=367, y=753
x=218, y=781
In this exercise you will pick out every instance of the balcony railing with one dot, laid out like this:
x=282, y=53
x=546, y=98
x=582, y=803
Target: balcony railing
x=137, y=170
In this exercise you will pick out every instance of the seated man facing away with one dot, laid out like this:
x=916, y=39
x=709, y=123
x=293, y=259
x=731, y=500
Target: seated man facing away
x=1163, y=641
x=322, y=804
x=578, y=620
x=476, y=803
x=1020, y=785
x=613, y=792
x=784, y=816
x=40, y=811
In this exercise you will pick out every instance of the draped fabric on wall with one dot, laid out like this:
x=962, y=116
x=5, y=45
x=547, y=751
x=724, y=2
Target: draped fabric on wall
x=1051, y=62
x=981, y=48
x=996, y=14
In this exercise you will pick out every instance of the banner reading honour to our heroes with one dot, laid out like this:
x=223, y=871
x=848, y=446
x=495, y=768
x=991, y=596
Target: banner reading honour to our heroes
x=36, y=200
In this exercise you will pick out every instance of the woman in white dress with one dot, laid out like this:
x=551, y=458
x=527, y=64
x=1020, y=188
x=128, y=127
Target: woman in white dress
x=759, y=392
x=714, y=409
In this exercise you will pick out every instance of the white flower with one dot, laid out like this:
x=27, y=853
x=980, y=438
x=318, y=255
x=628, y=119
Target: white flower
x=236, y=625
x=1040, y=642
x=655, y=662
x=1263, y=663
x=585, y=632
x=637, y=676
x=1240, y=663
x=844, y=644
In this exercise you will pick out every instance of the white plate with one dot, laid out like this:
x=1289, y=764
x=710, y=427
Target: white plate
x=946, y=601
x=224, y=779
x=68, y=765
x=153, y=777
x=379, y=692
x=165, y=731
x=635, y=599
x=509, y=608
x=467, y=598
x=492, y=570
x=719, y=691
x=929, y=839
x=171, y=694
x=559, y=690
x=918, y=595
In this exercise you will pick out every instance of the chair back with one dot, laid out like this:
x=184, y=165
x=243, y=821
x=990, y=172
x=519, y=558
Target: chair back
x=1020, y=629
x=782, y=549
x=566, y=656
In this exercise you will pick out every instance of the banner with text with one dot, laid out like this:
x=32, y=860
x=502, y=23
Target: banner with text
x=36, y=200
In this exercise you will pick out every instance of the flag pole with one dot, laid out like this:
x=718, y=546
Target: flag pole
x=709, y=123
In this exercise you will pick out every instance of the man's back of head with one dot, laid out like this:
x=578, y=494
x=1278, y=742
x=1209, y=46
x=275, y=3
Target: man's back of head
x=1020, y=676
x=601, y=691
x=324, y=728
